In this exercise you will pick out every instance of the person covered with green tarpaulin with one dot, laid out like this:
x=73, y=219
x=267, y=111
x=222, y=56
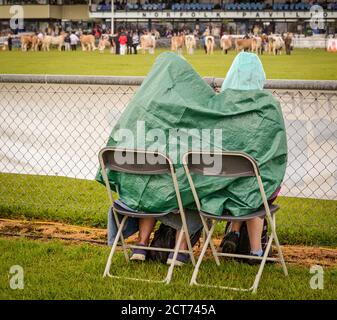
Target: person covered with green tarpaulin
x=173, y=95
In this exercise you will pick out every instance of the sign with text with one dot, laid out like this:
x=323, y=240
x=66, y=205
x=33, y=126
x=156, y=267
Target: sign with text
x=212, y=15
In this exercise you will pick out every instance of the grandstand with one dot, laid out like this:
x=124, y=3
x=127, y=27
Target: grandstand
x=236, y=17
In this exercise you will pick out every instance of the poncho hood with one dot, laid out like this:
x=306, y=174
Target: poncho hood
x=245, y=73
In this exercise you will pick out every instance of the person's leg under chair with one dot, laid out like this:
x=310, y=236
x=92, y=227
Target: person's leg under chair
x=182, y=258
x=146, y=226
x=231, y=240
x=254, y=227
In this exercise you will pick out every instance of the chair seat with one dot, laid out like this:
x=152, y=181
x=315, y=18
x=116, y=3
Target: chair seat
x=227, y=217
x=123, y=209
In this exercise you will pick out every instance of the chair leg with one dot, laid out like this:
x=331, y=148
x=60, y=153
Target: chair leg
x=122, y=237
x=203, y=251
x=216, y=258
x=114, y=246
x=188, y=239
x=175, y=254
x=263, y=262
x=277, y=243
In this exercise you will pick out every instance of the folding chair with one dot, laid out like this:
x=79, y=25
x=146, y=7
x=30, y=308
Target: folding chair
x=230, y=164
x=153, y=163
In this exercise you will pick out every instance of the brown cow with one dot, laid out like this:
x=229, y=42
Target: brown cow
x=177, y=43
x=243, y=44
x=88, y=42
x=287, y=38
x=26, y=42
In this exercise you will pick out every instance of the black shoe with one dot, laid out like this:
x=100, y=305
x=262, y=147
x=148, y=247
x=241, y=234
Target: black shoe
x=254, y=262
x=230, y=242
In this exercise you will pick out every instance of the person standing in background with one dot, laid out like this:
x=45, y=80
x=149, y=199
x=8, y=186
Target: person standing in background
x=115, y=39
x=129, y=43
x=135, y=41
x=67, y=42
x=123, y=40
x=10, y=42
x=73, y=41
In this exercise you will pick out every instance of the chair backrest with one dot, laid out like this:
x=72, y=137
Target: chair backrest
x=134, y=161
x=224, y=164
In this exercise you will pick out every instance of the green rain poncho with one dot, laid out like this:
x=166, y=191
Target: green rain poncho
x=175, y=99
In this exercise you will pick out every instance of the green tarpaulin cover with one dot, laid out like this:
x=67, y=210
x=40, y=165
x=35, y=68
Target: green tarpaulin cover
x=176, y=100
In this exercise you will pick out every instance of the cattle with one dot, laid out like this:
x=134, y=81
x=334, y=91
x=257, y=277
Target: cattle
x=257, y=45
x=87, y=42
x=190, y=43
x=287, y=38
x=156, y=34
x=177, y=43
x=26, y=42
x=276, y=44
x=105, y=42
x=51, y=40
x=265, y=43
x=226, y=43
x=243, y=44
x=31, y=42
x=209, y=43
x=147, y=42
x=36, y=41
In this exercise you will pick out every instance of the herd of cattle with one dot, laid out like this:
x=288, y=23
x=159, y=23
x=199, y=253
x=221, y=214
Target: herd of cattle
x=33, y=42
x=273, y=44
x=88, y=42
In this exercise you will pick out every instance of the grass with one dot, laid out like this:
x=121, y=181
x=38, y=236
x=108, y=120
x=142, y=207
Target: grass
x=83, y=202
x=302, y=64
x=54, y=270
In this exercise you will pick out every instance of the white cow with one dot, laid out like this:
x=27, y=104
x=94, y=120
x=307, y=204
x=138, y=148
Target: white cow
x=226, y=43
x=276, y=44
x=257, y=45
x=104, y=42
x=190, y=43
x=51, y=40
x=209, y=42
x=148, y=42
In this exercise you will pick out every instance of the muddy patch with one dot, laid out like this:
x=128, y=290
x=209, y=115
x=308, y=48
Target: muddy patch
x=296, y=255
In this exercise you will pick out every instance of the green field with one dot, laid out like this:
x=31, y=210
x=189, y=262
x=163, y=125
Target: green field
x=84, y=202
x=55, y=270
x=302, y=64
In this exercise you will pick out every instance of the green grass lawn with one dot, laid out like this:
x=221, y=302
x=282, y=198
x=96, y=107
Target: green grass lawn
x=83, y=202
x=53, y=270
x=302, y=64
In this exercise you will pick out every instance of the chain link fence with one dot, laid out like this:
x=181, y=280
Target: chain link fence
x=55, y=126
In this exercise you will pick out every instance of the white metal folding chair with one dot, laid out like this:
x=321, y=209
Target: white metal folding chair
x=230, y=164
x=152, y=163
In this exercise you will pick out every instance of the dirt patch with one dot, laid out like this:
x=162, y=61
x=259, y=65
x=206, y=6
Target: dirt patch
x=51, y=230
x=296, y=255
